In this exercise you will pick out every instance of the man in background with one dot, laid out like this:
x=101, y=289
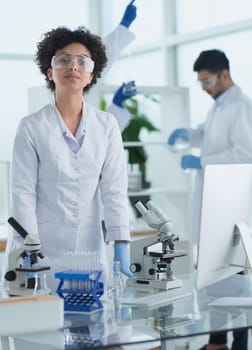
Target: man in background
x=225, y=137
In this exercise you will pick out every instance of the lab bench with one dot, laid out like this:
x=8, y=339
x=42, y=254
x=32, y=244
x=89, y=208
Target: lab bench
x=144, y=327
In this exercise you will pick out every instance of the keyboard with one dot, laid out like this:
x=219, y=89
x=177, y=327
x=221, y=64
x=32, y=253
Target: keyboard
x=232, y=301
x=156, y=299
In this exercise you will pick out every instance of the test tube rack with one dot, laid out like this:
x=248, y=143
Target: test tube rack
x=81, y=291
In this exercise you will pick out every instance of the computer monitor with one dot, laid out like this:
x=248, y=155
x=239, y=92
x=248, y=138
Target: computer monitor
x=224, y=222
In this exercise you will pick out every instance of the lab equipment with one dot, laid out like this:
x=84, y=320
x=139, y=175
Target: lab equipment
x=121, y=254
x=153, y=268
x=225, y=208
x=134, y=177
x=179, y=138
x=209, y=82
x=80, y=282
x=157, y=299
x=232, y=302
x=180, y=145
x=188, y=161
x=129, y=14
x=125, y=91
x=115, y=285
x=66, y=60
x=129, y=89
x=26, y=280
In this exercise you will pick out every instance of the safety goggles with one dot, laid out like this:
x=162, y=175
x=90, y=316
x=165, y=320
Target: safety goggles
x=68, y=60
x=209, y=82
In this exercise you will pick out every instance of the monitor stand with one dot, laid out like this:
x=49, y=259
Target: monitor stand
x=244, y=232
x=241, y=231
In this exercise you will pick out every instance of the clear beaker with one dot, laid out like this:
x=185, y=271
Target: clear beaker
x=180, y=144
x=115, y=285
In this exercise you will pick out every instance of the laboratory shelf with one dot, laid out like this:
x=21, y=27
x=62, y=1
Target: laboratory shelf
x=146, y=192
x=145, y=143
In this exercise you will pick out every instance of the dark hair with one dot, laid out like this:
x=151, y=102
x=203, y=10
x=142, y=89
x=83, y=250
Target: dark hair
x=212, y=60
x=60, y=37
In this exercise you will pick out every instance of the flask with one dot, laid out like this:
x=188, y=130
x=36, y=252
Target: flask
x=115, y=284
x=129, y=89
x=180, y=144
x=134, y=177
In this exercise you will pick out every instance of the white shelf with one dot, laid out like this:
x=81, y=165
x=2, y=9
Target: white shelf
x=139, y=143
x=146, y=192
x=149, y=191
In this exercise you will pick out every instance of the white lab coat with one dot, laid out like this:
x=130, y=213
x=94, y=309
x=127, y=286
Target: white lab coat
x=122, y=115
x=115, y=42
x=56, y=192
x=225, y=137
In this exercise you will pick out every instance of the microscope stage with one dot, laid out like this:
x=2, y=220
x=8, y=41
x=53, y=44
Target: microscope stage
x=171, y=254
x=32, y=269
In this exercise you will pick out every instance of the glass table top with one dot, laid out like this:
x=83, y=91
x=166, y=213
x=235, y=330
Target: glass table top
x=124, y=324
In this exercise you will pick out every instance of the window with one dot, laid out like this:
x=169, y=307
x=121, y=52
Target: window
x=195, y=15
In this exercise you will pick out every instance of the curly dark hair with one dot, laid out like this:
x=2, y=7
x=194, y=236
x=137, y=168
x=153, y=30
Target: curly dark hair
x=60, y=37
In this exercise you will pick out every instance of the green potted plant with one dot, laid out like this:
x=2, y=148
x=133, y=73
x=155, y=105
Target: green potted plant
x=138, y=121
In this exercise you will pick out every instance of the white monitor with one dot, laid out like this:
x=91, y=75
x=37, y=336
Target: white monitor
x=226, y=202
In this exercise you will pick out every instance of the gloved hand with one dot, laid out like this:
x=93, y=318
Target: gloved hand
x=124, y=92
x=181, y=133
x=189, y=161
x=122, y=254
x=129, y=15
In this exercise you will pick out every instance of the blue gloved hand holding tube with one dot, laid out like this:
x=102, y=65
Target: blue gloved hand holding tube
x=125, y=91
x=122, y=254
x=181, y=133
x=188, y=161
x=129, y=15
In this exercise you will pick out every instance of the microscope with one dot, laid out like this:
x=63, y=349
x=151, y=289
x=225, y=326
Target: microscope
x=25, y=278
x=152, y=268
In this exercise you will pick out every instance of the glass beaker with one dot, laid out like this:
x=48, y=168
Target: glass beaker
x=115, y=285
x=181, y=144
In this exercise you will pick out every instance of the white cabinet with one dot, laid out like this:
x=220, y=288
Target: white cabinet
x=169, y=185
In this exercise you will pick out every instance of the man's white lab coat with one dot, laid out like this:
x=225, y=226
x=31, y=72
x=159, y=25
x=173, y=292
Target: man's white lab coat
x=225, y=137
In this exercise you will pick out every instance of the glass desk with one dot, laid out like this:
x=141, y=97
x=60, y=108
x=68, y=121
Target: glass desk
x=146, y=327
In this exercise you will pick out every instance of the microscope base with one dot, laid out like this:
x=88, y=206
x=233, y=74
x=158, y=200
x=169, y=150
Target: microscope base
x=26, y=292
x=159, y=284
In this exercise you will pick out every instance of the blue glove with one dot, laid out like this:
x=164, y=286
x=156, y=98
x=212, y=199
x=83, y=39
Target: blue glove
x=121, y=253
x=129, y=15
x=189, y=161
x=124, y=92
x=181, y=133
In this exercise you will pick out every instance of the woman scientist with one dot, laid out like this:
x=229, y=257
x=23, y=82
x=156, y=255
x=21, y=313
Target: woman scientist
x=67, y=155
